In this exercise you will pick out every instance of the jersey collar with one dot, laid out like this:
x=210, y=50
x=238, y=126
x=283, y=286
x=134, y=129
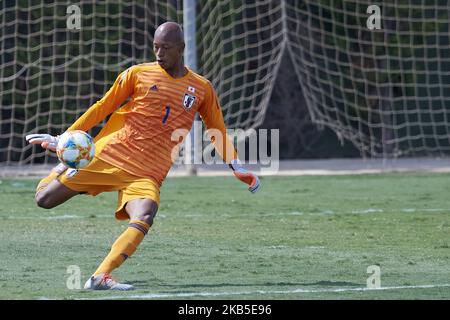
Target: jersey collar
x=172, y=78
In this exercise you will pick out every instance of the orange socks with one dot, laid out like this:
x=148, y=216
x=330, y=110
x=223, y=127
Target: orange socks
x=55, y=173
x=44, y=182
x=124, y=246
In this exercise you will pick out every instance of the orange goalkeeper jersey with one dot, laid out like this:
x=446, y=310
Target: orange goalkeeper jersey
x=138, y=136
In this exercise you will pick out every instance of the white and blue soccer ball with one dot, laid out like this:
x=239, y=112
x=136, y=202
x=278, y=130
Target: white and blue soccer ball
x=75, y=149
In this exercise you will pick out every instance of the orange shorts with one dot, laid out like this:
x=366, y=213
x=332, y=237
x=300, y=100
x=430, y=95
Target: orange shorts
x=100, y=176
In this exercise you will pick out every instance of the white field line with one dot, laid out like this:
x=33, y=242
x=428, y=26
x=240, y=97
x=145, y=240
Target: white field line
x=61, y=217
x=309, y=172
x=277, y=214
x=263, y=292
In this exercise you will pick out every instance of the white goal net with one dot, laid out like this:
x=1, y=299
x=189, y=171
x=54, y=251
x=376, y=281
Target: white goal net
x=385, y=90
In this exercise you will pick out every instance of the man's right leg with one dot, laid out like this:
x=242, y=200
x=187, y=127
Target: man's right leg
x=50, y=192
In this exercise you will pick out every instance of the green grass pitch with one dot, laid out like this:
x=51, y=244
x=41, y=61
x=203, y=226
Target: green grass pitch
x=310, y=237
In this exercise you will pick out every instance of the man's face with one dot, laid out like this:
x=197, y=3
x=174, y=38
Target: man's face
x=167, y=53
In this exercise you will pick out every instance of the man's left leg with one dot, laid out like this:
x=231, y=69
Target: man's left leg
x=141, y=213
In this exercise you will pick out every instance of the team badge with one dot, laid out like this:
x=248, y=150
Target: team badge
x=71, y=172
x=188, y=101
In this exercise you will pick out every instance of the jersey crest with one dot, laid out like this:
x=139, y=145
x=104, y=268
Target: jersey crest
x=188, y=101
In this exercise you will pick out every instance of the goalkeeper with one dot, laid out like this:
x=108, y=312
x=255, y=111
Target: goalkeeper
x=134, y=148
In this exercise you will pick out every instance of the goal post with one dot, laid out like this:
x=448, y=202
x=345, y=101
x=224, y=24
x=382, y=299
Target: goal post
x=190, y=59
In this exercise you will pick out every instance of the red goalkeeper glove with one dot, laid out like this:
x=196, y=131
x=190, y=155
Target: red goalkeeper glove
x=45, y=140
x=245, y=176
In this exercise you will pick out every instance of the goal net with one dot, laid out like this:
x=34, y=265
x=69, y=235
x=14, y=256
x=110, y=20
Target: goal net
x=385, y=90
x=50, y=74
x=52, y=69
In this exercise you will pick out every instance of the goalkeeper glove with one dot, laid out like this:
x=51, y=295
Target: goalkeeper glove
x=45, y=140
x=245, y=176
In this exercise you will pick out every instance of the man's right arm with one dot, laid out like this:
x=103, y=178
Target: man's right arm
x=122, y=89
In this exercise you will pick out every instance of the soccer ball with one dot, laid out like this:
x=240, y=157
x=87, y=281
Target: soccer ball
x=75, y=149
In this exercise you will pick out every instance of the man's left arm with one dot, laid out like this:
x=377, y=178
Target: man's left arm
x=211, y=114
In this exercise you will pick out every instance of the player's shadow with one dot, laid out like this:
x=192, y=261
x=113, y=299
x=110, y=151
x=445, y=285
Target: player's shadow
x=263, y=284
x=332, y=284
